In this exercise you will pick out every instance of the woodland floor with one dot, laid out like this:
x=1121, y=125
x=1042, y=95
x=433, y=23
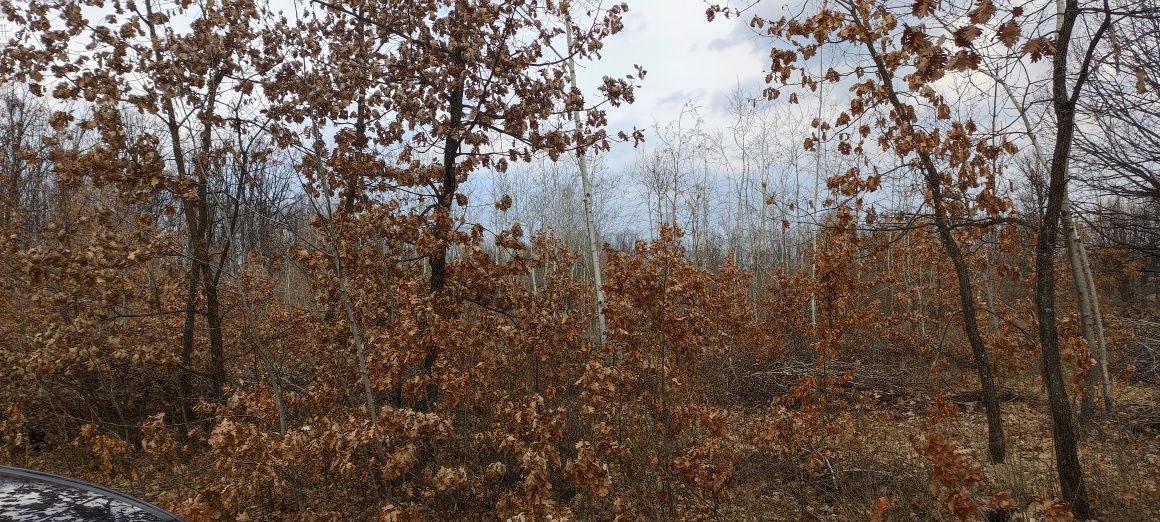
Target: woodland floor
x=1120, y=454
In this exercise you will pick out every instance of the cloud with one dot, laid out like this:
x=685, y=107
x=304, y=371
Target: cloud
x=678, y=98
x=663, y=37
x=750, y=87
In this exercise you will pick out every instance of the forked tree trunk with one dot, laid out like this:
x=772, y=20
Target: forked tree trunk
x=1067, y=463
x=198, y=227
x=1087, y=298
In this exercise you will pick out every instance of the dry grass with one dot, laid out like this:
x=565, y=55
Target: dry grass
x=1120, y=454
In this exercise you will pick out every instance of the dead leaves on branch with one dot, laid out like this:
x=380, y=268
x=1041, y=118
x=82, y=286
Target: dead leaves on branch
x=903, y=59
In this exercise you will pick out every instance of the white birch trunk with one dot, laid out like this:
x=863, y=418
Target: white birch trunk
x=589, y=215
x=1087, y=300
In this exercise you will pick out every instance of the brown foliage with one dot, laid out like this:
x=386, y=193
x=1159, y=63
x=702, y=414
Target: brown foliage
x=354, y=348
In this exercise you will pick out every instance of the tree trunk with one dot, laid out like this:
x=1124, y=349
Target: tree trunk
x=204, y=238
x=989, y=292
x=213, y=318
x=1077, y=258
x=996, y=446
x=1063, y=433
x=355, y=327
x=1101, y=344
x=184, y=378
x=356, y=334
x=589, y=215
x=1083, y=305
x=1067, y=463
x=443, y=221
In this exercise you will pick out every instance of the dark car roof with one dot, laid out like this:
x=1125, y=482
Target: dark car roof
x=27, y=495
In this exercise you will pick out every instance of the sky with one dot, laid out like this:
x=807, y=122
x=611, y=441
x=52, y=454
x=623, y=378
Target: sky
x=691, y=63
x=688, y=59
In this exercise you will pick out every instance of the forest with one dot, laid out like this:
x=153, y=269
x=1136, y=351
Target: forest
x=415, y=260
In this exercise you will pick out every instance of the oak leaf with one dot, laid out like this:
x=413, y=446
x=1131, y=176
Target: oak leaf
x=982, y=13
x=965, y=35
x=923, y=8
x=1008, y=33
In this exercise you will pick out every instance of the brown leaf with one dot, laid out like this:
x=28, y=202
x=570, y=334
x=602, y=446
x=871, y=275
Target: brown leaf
x=1039, y=48
x=922, y=8
x=982, y=13
x=1008, y=33
x=964, y=60
x=504, y=203
x=965, y=35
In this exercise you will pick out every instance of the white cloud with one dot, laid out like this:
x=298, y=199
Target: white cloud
x=667, y=38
